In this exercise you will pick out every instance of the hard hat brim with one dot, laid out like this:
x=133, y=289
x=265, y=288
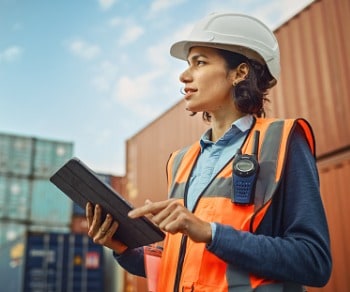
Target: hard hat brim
x=181, y=49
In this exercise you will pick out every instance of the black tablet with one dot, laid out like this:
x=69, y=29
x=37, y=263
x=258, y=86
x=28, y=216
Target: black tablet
x=81, y=184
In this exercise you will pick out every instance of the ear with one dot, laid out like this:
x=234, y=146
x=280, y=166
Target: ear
x=241, y=73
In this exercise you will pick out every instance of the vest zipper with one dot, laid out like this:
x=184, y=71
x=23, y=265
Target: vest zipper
x=180, y=263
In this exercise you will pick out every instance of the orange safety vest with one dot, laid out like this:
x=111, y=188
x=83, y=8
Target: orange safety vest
x=189, y=266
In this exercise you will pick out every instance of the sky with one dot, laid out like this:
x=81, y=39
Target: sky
x=96, y=72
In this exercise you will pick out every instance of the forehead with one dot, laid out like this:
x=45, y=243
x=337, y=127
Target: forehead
x=202, y=51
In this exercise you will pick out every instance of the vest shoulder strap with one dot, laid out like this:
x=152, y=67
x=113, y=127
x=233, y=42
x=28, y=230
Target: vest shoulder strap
x=272, y=156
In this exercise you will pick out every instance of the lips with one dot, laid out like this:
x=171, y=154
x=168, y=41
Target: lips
x=189, y=91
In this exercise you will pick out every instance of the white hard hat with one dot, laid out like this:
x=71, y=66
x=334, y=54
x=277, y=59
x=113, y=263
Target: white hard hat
x=233, y=32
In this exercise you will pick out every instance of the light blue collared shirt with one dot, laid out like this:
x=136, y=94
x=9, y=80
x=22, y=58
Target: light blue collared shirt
x=214, y=156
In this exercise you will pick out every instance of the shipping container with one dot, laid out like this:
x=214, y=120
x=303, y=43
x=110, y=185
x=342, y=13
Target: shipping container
x=52, y=262
x=315, y=70
x=11, y=229
x=146, y=160
x=79, y=224
x=334, y=174
x=15, y=194
x=48, y=205
x=33, y=201
x=49, y=156
x=16, y=154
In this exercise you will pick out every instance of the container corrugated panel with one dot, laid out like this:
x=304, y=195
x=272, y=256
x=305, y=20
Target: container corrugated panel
x=119, y=184
x=334, y=176
x=11, y=262
x=52, y=262
x=49, y=206
x=15, y=154
x=9, y=231
x=14, y=197
x=49, y=156
x=148, y=151
x=315, y=70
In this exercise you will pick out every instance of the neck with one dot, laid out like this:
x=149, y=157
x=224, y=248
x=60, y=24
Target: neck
x=221, y=125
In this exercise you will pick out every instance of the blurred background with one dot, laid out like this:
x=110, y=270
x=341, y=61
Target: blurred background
x=94, y=79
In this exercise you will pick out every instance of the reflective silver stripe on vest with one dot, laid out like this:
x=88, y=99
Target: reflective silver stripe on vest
x=177, y=188
x=268, y=156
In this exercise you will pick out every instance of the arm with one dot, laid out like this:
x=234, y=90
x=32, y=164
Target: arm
x=292, y=242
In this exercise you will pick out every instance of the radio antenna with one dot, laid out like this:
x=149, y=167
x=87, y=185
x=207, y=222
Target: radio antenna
x=256, y=143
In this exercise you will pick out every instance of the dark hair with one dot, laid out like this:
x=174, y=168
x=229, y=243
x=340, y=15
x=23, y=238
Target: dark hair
x=249, y=94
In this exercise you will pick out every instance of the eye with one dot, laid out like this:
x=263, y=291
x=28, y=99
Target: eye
x=200, y=62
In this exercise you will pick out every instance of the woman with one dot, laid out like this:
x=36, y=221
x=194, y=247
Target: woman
x=244, y=211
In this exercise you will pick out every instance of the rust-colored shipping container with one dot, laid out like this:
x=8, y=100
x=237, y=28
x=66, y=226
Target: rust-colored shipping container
x=315, y=70
x=315, y=65
x=148, y=151
x=79, y=224
x=334, y=174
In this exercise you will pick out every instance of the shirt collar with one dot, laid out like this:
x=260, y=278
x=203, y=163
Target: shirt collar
x=242, y=124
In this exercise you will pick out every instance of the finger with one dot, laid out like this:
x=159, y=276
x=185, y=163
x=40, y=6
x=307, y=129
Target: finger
x=172, y=219
x=149, y=208
x=105, y=226
x=89, y=213
x=96, y=221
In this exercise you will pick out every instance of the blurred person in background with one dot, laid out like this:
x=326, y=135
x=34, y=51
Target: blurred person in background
x=244, y=211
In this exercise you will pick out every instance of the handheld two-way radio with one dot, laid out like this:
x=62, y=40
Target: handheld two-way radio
x=245, y=173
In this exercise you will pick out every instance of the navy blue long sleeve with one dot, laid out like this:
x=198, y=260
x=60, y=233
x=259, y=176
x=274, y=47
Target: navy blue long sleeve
x=292, y=242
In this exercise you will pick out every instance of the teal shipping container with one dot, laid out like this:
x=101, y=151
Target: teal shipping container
x=49, y=156
x=33, y=201
x=14, y=197
x=49, y=206
x=10, y=231
x=16, y=154
x=52, y=262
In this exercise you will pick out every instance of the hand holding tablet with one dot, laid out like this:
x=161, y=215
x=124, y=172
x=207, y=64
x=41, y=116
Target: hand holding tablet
x=81, y=184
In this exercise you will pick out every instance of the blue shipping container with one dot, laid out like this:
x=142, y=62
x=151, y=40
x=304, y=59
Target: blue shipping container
x=52, y=262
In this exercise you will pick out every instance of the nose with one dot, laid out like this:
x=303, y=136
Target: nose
x=185, y=76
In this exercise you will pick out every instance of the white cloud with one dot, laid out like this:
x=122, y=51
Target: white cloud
x=116, y=21
x=106, y=4
x=130, y=90
x=11, y=54
x=161, y=5
x=84, y=50
x=131, y=34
